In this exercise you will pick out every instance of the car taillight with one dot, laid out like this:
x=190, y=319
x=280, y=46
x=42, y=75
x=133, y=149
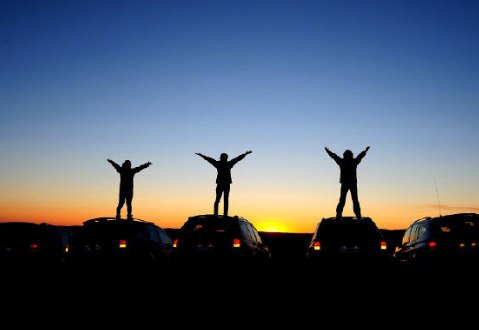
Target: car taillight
x=175, y=243
x=236, y=243
x=432, y=244
x=122, y=244
x=34, y=246
x=317, y=246
x=473, y=244
x=384, y=245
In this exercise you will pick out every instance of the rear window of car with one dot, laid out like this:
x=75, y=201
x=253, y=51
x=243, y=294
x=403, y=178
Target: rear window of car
x=349, y=230
x=457, y=227
x=208, y=226
x=106, y=231
x=21, y=231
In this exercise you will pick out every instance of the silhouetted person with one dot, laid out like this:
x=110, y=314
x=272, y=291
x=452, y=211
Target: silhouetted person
x=348, y=179
x=126, y=184
x=223, y=178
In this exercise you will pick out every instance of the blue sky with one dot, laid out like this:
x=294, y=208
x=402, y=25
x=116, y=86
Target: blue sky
x=157, y=81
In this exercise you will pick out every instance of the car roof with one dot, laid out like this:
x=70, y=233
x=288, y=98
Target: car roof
x=24, y=223
x=114, y=221
x=347, y=220
x=448, y=217
x=212, y=217
x=211, y=221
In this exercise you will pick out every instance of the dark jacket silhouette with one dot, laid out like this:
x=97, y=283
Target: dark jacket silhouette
x=348, y=179
x=126, y=184
x=223, y=178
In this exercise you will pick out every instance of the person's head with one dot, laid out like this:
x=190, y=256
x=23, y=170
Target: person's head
x=224, y=157
x=126, y=164
x=348, y=154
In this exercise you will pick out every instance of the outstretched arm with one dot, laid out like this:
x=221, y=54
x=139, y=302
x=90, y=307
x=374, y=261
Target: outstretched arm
x=333, y=155
x=362, y=154
x=115, y=165
x=240, y=157
x=141, y=167
x=208, y=159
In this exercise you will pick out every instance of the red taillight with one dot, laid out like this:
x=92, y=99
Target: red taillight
x=122, y=244
x=432, y=244
x=34, y=246
x=317, y=246
x=384, y=245
x=175, y=242
x=236, y=243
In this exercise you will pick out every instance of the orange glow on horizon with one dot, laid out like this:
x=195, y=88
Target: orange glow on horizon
x=171, y=214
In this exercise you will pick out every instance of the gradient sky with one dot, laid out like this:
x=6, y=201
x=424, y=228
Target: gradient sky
x=83, y=81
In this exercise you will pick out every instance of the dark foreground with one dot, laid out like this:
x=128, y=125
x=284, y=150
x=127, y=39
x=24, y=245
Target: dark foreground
x=282, y=292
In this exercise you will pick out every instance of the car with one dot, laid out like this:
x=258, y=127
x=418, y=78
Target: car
x=112, y=241
x=439, y=240
x=220, y=238
x=347, y=239
x=24, y=243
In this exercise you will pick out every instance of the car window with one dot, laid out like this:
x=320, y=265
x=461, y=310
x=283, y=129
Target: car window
x=457, y=228
x=256, y=234
x=414, y=233
x=348, y=231
x=153, y=233
x=407, y=235
x=165, y=238
x=421, y=231
x=246, y=231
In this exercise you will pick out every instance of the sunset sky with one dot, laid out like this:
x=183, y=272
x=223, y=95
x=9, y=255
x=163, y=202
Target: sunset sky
x=83, y=81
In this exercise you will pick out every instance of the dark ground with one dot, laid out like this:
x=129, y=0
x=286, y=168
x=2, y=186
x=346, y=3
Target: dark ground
x=288, y=290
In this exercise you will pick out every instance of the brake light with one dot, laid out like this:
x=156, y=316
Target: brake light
x=432, y=244
x=175, y=243
x=384, y=245
x=236, y=243
x=122, y=244
x=317, y=246
x=34, y=246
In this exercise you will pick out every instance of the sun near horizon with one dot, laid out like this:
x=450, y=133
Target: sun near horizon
x=272, y=226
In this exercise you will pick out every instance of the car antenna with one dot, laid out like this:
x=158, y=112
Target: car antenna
x=438, y=200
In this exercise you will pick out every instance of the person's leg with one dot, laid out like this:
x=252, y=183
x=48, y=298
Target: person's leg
x=356, y=206
x=129, y=206
x=121, y=202
x=342, y=201
x=219, y=191
x=226, y=196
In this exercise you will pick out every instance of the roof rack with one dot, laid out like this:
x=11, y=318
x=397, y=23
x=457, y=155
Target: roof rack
x=422, y=219
x=220, y=216
x=111, y=219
